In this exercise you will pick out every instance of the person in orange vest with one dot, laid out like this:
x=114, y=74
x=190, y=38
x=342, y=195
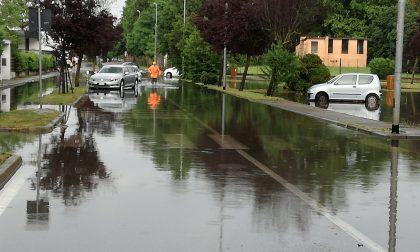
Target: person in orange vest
x=154, y=71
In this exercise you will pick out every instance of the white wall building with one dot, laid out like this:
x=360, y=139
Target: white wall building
x=5, y=64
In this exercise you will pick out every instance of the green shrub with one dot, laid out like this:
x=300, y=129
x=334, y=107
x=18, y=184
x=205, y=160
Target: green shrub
x=310, y=71
x=33, y=64
x=21, y=62
x=208, y=78
x=382, y=67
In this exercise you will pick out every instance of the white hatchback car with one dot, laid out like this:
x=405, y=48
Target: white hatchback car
x=348, y=87
x=171, y=72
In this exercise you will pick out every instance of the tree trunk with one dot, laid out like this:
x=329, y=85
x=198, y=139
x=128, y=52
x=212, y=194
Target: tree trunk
x=62, y=72
x=248, y=61
x=273, y=82
x=78, y=65
x=414, y=69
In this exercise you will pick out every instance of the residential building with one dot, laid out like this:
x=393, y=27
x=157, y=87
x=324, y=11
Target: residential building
x=5, y=65
x=345, y=52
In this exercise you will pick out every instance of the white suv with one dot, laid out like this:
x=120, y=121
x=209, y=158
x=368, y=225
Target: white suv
x=346, y=87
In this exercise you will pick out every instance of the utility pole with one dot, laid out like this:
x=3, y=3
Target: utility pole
x=40, y=54
x=225, y=49
x=398, y=67
x=156, y=16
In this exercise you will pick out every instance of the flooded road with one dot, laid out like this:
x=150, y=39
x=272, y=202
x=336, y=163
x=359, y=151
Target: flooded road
x=183, y=168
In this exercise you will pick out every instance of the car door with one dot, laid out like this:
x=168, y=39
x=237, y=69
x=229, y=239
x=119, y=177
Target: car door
x=345, y=88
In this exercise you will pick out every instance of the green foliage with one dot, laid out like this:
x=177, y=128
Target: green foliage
x=28, y=61
x=198, y=57
x=33, y=64
x=13, y=13
x=382, y=67
x=382, y=32
x=280, y=65
x=208, y=78
x=311, y=71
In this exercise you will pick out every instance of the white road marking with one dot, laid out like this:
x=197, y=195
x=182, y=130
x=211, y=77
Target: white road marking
x=350, y=230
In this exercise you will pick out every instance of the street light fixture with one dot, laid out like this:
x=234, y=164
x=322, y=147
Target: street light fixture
x=155, y=31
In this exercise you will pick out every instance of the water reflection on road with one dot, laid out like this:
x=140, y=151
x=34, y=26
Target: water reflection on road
x=183, y=168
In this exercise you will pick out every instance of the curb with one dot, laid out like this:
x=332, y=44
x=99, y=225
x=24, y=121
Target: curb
x=8, y=168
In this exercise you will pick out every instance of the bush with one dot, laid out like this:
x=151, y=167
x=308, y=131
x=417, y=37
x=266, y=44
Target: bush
x=21, y=62
x=382, y=67
x=310, y=71
x=28, y=61
x=33, y=64
x=208, y=78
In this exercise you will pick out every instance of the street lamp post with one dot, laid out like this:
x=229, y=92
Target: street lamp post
x=183, y=34
x=156, y=31
x=398, y=67
x=225, y=49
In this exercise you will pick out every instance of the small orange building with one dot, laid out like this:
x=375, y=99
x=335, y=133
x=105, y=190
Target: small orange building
x=350, y=52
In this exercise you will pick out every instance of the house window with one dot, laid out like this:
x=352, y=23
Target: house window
x=314, y=46
x=330, y=45
x=3, y=61
x=3, y=98
x=345, y=46
x=27, y=44
x=360, y=46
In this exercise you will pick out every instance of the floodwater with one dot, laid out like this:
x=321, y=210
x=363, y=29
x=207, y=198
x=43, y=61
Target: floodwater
x=184, y=168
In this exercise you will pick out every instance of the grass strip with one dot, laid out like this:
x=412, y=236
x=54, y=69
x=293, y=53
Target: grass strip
x=27, y=118
x=56, y=98
x=4, y=157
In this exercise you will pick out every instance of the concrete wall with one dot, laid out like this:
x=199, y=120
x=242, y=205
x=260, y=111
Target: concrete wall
x=5, y=61
x=350, y=59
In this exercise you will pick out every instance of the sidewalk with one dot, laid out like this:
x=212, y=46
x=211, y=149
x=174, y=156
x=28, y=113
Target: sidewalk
x=21, y=81
x=373, y=127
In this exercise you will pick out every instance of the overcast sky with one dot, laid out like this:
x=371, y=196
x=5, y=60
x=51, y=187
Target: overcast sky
x=116, y=8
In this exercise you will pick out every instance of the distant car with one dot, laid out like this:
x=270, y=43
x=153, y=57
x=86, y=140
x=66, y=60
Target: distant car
x=115, y=76
x=348, y=87
x=135, y=68
x=171, y=72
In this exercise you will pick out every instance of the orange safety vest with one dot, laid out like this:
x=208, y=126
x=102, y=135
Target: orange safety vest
x=154, y=71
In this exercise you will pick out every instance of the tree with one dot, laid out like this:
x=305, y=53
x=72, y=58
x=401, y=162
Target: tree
x=83, y=27
x=286, y=20
x=279, y=66
x=235, y=25
x=383, y=32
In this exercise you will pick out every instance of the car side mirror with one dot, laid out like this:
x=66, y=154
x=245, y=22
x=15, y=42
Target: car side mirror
x=126, y=73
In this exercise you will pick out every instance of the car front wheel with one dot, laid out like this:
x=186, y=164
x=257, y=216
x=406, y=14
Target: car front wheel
x=122, y=86
x=168, y=75
x=321, y=98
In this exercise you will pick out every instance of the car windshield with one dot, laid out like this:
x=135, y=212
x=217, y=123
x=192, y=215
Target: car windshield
x=111, y=70
x=333, y=79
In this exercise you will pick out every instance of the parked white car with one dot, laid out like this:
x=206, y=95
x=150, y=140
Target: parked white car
x=348, y=87
x=171, y=72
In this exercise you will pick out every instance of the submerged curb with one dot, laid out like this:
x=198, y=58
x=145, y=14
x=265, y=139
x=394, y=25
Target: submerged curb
x=8, y=168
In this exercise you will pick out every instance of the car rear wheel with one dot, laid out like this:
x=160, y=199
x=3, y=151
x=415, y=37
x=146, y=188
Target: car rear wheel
x=372, y=101
x=135, y=84
x=168, y=75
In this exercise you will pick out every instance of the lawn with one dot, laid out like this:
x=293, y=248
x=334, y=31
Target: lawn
x=27, y=118
x=4, y=157
x=56, y=98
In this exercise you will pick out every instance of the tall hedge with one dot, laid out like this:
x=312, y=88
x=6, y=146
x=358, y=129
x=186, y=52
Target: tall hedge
x=29, y=61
